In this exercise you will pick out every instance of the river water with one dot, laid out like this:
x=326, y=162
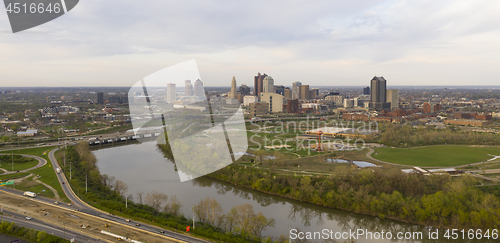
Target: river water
x=144, y=169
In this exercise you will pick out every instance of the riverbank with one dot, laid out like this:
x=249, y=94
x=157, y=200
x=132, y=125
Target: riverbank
x=372, y=193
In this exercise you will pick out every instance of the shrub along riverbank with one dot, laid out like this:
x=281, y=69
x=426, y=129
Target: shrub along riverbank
x=437, y=200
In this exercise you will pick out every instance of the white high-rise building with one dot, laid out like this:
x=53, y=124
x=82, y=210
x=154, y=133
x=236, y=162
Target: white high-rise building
x=268, y=85
x=295, y=89
x=188, y=88
x=198, y=88
x=171, y=93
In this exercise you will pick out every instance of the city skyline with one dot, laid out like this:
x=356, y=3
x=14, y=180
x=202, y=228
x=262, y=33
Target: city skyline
x=322, y=44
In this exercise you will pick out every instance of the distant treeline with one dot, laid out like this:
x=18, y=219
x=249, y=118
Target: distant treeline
x=397, y=135
x=17, y=158
x=438, y=200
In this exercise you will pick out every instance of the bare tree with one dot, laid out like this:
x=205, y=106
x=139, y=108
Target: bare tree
x=173, y=206
x=120, y=187
x=209, y=211
x=139, y=194
x=155, y=199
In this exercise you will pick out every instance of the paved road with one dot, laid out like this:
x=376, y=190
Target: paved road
x=41, y=162
x=20, y=219
x=85, y=208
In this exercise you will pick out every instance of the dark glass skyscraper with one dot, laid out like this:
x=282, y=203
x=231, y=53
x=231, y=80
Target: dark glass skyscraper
x=378, y=94
x=258, y=84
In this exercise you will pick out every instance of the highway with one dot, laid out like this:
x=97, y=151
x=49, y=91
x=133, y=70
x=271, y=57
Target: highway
x=85, y=208
x=39, y=225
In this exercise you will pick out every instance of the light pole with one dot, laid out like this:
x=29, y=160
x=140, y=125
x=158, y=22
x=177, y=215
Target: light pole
x=193, y=217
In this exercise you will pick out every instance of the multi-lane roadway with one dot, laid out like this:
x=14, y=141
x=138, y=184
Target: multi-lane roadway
x=39, y=225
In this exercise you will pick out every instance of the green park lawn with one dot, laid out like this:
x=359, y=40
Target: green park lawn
x=436, y=156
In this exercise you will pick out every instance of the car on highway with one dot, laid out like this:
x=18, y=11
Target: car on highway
x=56, y=203
x=137, y=225
x=69, y=204
x=127, y=220
x=28, y=217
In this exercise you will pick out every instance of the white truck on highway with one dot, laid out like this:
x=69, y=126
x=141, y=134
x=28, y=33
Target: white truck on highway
x=58, y=170
x=30, y=194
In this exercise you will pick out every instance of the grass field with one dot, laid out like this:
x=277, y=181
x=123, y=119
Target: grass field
x=18, y=166
x=436, y=156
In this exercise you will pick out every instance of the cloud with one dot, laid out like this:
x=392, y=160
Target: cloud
x=317, y=42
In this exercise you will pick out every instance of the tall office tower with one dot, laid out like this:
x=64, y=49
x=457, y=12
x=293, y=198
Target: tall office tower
x=288, y=93
x=393, y=98
x=244, y=90
x=268, y=85
x=257, y=85
x=171, y=93
x=366, y=91
x=233, y=87
x=378, y=94
x=280, y=89
x=303, y=92
x=100, y=98
x=295, y=89
x=198, y=89
x=188, y=88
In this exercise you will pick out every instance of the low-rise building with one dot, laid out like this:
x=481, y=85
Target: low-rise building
x=258, y=109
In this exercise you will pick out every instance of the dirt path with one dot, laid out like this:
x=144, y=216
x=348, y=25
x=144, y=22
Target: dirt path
x=56, y=195
x=20, y=180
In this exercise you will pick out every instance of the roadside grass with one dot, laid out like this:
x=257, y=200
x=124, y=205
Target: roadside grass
x=436, y=156
x=33, y=186
x=48, y=176
x=111, y=130
x=13, y=176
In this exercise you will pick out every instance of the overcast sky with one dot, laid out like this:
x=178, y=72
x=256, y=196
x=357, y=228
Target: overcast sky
x=321, y=43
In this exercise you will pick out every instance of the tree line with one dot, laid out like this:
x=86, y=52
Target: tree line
x=16, y=158
x=438, y=200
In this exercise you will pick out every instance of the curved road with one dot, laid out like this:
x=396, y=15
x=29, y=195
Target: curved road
x=85, y=208
x=41, y=162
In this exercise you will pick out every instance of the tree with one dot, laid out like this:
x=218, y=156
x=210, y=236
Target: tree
x=139, y=194
x=120, y=187
x=209, y=211
x=173, y=206
x=155, y=199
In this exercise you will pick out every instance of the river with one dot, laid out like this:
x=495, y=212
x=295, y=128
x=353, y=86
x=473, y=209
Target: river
x=144, y=169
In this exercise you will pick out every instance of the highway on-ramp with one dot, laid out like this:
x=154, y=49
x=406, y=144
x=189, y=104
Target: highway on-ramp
x=83, y=207
x=41, y=162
